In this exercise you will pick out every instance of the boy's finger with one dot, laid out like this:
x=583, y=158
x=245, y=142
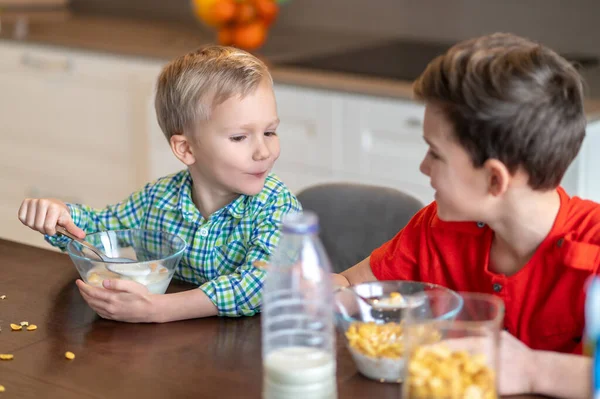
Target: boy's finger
x=124, y=285
x=93, y=292
x=30, y=217
x=67, y=223
x=96, y=305
x=23, y=211
x=50, y=221
x=40, y=216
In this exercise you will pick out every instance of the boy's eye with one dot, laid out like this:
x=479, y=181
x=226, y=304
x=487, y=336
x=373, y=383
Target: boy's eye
x=433, y=154
x=237, y=139
x=269, y=134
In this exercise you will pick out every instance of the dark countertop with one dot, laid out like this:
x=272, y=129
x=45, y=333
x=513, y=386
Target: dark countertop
x=161, y=40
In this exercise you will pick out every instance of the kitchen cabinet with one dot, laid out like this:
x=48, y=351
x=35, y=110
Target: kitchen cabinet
x=338, y=136
x=384, y=143
x=70, y=129
x=582, y=176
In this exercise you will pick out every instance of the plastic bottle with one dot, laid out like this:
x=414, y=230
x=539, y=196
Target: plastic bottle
x=592, y=332
x=298, y=340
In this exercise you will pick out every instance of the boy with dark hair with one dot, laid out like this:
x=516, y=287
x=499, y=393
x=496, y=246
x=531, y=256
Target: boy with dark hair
x=504, y=119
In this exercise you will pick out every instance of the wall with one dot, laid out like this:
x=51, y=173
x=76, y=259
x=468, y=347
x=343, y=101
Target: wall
x=566, y=26
x=179, y=10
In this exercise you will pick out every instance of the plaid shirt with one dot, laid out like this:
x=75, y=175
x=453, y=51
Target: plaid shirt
x=220, y=251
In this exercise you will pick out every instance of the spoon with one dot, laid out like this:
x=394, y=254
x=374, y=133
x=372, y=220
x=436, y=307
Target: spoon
x=390, y=302
x=105, y=258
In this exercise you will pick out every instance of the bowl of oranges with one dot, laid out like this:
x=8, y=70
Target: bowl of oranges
x=240, y=23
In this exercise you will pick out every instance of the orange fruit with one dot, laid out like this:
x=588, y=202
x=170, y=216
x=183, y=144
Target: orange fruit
x=250, y=36
x=202, y=11
x=225, y=36
x=223, y=11
x=245, y=12
x=267, y=10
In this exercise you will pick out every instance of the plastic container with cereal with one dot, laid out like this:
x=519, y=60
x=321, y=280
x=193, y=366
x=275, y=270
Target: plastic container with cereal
x=373, y=328
x=463, y=360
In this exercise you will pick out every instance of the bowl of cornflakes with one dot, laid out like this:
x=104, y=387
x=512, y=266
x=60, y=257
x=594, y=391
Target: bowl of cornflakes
x=370, y=317
x=154, y=254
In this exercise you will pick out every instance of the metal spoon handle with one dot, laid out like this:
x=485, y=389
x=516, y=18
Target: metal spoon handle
x=64, y=232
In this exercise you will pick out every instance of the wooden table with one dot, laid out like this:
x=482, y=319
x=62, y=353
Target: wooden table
x=203, y=358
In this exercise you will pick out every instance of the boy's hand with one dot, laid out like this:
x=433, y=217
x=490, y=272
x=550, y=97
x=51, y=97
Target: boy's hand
x=516, y=362
x=120, y=300
x=44, y=215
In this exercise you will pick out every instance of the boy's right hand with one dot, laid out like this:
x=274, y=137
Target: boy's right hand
x=44, y=215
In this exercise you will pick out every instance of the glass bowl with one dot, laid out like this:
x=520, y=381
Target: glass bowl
x=373, y=329
x=158, y=252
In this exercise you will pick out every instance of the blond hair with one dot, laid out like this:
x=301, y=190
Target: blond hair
x=511, y=99
x=190, y=86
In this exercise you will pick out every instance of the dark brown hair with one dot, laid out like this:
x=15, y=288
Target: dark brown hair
x=510, y=99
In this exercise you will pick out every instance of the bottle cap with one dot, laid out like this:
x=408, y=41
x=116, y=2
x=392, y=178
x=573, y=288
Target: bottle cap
x=300, y=223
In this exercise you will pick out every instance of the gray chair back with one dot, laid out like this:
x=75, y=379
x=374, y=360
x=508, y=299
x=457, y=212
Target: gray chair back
x=355, y=219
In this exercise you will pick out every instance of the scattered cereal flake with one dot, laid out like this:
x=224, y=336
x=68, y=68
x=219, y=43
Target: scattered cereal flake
x=2, y=296
x=259, y=264
x=2, y=389
x=16, y=327
x=70, y=355
x=24, y=323
x=31, y=327
x=6, y=356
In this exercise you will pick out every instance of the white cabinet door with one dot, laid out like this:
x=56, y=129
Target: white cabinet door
x=383, y=143
x=590, y=163
x=69, y=128
x=581, y=178
x=161, y=161
x=309, y=134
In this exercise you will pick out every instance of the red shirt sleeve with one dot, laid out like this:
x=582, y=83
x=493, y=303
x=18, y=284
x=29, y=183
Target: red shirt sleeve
x=398, y=259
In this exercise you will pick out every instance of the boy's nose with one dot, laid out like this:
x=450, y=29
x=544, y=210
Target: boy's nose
x=424, y=167
x=261, y=151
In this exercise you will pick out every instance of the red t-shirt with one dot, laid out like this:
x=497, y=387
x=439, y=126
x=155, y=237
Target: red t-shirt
x=544, y=301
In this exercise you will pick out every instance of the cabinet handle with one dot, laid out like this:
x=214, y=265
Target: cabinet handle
x=413, y=122
x=45, y=64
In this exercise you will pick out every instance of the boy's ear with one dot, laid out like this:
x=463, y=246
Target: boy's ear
x=498, y=177
x=180, y=146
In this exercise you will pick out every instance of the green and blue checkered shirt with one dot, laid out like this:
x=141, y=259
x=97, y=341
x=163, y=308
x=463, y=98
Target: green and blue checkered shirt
x=220, y=251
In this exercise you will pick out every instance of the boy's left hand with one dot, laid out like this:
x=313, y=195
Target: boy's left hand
x=120, y=300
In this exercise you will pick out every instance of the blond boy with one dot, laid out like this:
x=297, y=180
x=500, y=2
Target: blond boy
x=217, y=109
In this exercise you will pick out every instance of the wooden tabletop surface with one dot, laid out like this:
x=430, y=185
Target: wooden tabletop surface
x=203, y=358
